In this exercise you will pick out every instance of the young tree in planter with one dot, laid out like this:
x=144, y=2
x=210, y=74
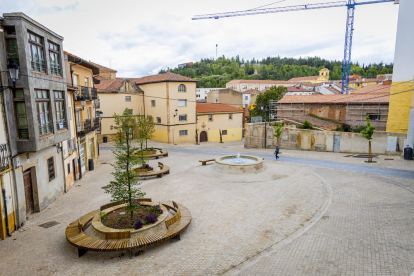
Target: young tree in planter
x=367, y=134
x=145, y=131
x=278, y=133
x=221, y=136
x=196, y=136
x=125, y=185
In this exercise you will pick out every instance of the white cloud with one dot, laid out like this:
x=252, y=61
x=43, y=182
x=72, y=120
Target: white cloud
x=140, y=37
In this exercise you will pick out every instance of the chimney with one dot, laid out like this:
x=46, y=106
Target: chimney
x=168, y=70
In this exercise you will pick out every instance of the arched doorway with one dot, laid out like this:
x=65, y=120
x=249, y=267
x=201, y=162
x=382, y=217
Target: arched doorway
x=203, y=136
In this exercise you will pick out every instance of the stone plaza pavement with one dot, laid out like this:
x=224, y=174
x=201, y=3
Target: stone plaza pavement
x=307, y=214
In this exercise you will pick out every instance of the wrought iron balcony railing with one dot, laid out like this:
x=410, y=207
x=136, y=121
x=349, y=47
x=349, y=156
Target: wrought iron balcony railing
x=96, y=123
x=4, y=158
x=87, y=93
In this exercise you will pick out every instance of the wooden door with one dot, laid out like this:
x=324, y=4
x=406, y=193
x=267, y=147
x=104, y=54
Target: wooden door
x=28, y=191
x=203, y=136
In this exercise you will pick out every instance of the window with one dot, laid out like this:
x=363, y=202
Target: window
x=182, y=118
x=153, y=103
x=230, y=116
x=183, y=132
x=43, y=112
x=89, y=113
x=374, y=117
x=216, y=100
x=182, y=102
x=21, y=116
x=60, y=110
x=86, y=82
x=54, y=55
x=75, y=80
x=79, y=120
x=51, y=168
x=37, y=60
x=181, y=88
x=246, y=97
x=12, y=54
x=210, y=118
x=68, y=168
x=131, y=112
x=127, y=98
x=158, y=120
x=224, y=132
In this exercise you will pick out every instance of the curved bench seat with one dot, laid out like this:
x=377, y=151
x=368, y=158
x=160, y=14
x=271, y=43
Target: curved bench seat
x=164, y=169
x=75, y=235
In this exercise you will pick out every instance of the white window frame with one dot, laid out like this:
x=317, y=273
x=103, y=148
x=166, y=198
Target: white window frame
x=230, y=116
x=210, y=118
x=224, y=132
x=127, y=98
x=180, y=103
x=179, y=118
x=181, y=132
x=158, y=120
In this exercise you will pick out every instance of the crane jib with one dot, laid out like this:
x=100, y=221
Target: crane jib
x=287, y=9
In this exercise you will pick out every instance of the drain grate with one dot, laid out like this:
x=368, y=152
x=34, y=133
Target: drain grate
x=49, y=224
x=364, y=156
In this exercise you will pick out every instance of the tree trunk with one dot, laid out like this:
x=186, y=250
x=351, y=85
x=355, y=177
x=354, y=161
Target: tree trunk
x=129, y=179
x=369, y=152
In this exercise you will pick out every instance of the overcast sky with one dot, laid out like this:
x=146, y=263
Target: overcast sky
x=138, y=38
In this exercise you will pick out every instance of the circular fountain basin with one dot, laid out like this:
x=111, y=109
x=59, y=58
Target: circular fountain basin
x=239, y=164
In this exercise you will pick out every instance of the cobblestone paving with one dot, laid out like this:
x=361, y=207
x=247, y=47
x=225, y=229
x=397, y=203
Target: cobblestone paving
x=289, y=220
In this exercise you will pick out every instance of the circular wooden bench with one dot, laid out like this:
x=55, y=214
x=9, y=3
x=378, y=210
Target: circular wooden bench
x=122, y=241
x=164, y=169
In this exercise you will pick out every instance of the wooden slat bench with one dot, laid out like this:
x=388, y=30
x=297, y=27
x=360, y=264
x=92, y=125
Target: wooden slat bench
x=106, y=206
x=204, y=162
x=164, y=169
x=119, y=241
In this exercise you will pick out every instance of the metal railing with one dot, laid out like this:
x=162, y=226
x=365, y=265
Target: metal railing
x=96, y=123
x=4, y=158
x=87, y=93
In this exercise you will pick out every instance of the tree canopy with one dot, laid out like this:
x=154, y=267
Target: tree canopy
x=216, y=73
x=274, y=93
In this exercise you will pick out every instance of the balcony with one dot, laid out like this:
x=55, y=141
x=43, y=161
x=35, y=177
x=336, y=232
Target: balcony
x=87, y=93
x=4, y=158
x=85, y=127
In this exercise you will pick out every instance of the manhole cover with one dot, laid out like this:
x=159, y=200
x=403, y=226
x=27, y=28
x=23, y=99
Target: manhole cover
x=49, y=224
x=363, y=156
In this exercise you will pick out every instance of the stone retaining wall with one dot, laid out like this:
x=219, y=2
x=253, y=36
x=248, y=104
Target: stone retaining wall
x=303, y=139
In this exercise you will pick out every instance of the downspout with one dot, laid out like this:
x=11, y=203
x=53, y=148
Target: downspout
x=3, y=189
x=74, y=115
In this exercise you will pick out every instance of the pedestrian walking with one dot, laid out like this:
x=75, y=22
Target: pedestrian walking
x=277, y=152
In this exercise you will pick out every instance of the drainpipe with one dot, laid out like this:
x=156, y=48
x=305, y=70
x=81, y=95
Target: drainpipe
x=76, y=125
x=3, y=189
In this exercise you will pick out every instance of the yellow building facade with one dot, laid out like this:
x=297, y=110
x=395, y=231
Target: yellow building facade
x=84, y=123
x=213, y=118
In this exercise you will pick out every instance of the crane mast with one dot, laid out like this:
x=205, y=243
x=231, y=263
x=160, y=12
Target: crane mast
x=350, y=4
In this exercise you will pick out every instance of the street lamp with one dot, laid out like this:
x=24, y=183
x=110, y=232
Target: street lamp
x=13, y=69
x=263, y=108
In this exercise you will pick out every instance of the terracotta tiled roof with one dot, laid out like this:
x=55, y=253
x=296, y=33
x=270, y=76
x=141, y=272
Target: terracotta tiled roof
x=304, y=78
x=103, y=68
x=216, y=107
x=112, y=85
x=163, y=78
x=261, y=81
x=72, y=58
x=379, y=88
x=249, y=91
x=297, y=89
x=309, y=84
x=366, y=80
x=337, y=99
